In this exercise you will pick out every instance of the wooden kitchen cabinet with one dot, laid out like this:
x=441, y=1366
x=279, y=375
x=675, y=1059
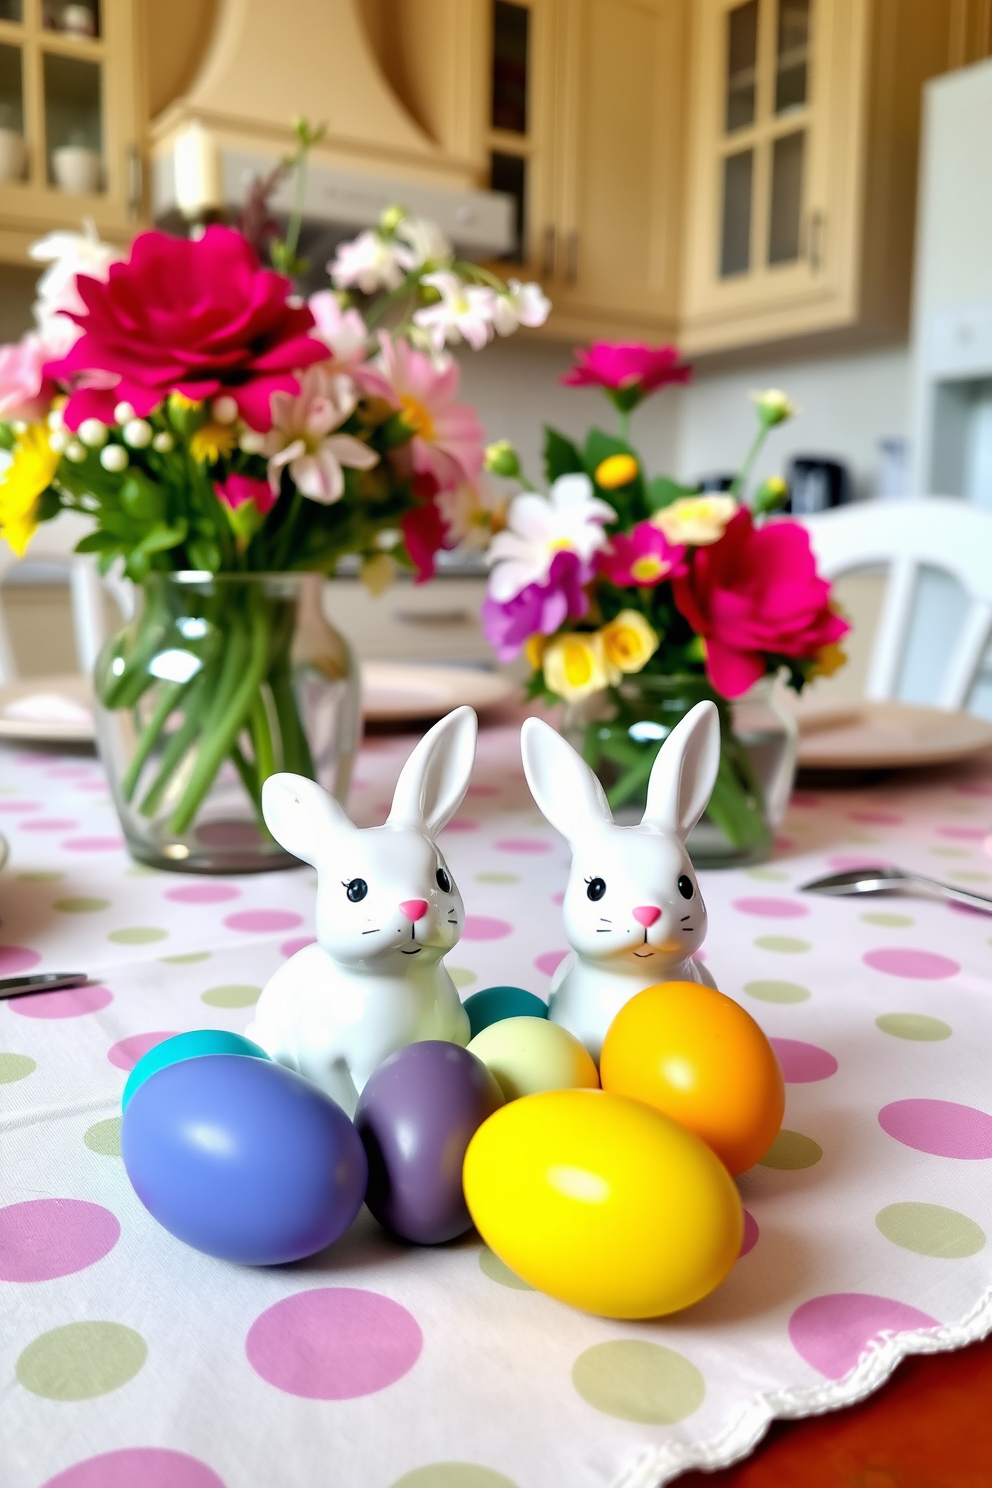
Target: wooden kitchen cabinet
x=76, y=101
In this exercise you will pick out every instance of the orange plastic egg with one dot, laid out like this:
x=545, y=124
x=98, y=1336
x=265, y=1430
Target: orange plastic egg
x=698, y=1057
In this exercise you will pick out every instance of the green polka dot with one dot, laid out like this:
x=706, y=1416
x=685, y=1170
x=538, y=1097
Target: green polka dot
x=769, y=991
x=497, y=1270
x=639, y=1381
x=142, y=870
x=497, y=878
x=914, y=1026
x=234, y=996
x=14, y=1067
x=137, y=935
x=105, y=1137
x=81, y=1360
x=80, y=906
x=931, y=1230
x=453, y=1475
x=788, y=945
x=768, y=875
x=461, y=976
x=189, y=956
x=864, y=839
x=950, y=852
x=890, y=921
x=971, y=877
x=41, y=875
x=790, y=1150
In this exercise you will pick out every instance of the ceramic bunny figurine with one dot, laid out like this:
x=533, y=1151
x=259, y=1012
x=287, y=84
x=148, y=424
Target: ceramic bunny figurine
x=633, y=911
x=387, y=912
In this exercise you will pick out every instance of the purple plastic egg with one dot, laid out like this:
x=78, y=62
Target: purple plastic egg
x=416, y=1116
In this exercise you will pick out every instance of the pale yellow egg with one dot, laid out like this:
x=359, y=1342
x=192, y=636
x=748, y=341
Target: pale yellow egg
x=529, y=1055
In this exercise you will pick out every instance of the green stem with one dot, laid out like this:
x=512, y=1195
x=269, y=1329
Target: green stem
x=261, y=734
x=296, y=751
x=741, y=478
x=623, y=424
x=168, y=699
x=249, y=776
x=177, y=745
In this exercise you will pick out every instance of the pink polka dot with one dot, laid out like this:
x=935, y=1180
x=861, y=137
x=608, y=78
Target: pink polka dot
x=942, y=1128
x=297, y=943
x=923, y=966
x=833, y=1332
x=803, y=798
x=772, y=909
x=803, y=1063
x=92, y=844
x=967, y=909
x=334, y=1343
x=549, y=961
x=44, y=1238
x=699, y=956
x=127, y=1053
x=263, y=921
x=15, y=959
x=522, y=845
x=13, y=807
x=149, y=1467
x=91, y=785
x=751, y=1233
x=973, y=788
x=70, y=1002
x=32, y=759
x=462, y=824
x=482, y=927
x=483, y=790
x=557, y=898
x=963, y=834
x=203, y=893
x=49, y=824
x=785, y=844
x=69, y=772
x=847, y=862
x=876, y=818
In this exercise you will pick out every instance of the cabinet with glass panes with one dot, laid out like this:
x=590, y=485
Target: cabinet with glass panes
x=70, y=118
x=801, y=165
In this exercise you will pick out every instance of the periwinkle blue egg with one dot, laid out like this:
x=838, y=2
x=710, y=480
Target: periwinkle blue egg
x=191, y=1045
x=416, y=1116
x=493, y=1004
x=243, y=1159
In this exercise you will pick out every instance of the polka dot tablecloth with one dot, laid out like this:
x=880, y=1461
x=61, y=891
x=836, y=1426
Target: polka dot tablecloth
x=127, y=1359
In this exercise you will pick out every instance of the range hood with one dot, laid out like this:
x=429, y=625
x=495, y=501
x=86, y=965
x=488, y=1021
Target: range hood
x=267, y=64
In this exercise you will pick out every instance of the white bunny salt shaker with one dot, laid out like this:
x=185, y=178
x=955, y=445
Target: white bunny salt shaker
x=387, y=912
x=633, y=911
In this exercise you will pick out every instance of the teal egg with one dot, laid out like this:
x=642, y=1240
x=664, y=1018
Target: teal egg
x=192, y=1045
x=493, y=1004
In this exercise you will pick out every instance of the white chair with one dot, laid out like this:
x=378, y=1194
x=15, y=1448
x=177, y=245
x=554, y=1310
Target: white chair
x=935, y=532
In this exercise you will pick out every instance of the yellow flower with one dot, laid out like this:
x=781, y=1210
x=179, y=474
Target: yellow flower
x=28, y=474
x=699, y=520
x=828, y=659
x=212, y=442
x=774, y=407
x=180, y=401
x=616, y=471
x=535, y=648
x=575, y=666
x=378, y=573
x=629, y=641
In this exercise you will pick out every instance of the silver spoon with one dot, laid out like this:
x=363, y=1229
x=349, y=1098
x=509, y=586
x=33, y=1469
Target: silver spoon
x=894, y=881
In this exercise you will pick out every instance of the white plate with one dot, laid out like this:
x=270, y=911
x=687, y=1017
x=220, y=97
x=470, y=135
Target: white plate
x=60, y=709
x=886, y=736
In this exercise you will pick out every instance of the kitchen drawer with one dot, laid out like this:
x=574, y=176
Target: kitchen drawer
x=436, y=622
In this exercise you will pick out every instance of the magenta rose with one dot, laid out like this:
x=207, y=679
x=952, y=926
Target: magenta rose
x=626, y=370
x=195, y=317
x=756, y=594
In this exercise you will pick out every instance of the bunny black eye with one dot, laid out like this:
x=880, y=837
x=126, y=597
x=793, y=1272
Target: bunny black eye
x=443, y=881
x=356, y=890
x=685, y=886
x=596, y=888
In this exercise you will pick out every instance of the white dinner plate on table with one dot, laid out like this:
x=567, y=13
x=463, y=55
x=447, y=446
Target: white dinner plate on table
x=57, y=710
x=886, y=736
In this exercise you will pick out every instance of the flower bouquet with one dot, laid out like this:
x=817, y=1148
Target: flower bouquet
x=231, y=443
x=636, y=597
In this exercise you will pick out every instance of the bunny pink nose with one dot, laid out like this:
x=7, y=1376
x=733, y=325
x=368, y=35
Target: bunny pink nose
x=415, y=909
x=646, y=914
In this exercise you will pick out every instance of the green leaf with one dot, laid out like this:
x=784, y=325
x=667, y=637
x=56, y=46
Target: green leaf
x=142, y=498
x=97, y=542
x=204, y=554
x=560, y=455
x=161, y=538
x=662, y=491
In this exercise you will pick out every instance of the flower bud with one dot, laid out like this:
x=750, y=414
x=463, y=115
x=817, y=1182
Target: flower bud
x=252, y=442
x=59, y=440
x=75, y=452
x=123, y=413
x=391, y=219
x=616, y=471
x=137, y=433
x=224, y=409
x=163, y=442
x=55, y=420
x=114, y=458
x=502, y=459
x=93, y=433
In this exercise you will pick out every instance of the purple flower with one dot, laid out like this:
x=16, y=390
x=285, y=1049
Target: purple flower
x=539, y=609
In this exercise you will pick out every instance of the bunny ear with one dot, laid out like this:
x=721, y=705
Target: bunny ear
x=301, y=816
x=684, y=772
x=560, y=781
x=436, y=775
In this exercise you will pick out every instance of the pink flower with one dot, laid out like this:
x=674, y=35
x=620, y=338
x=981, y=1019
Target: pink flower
x=539, y=609
x=236, y=490
x=343, y=332
x=25, y=391
x=301, y=436
x=197, y=317
x=643, y=557
x=627, y=370
x=753, y=596
x=447, y=438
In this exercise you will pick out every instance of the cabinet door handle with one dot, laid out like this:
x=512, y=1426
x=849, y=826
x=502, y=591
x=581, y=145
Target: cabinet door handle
x=433, y=617
x=135, y=180
x=572, y=257
x=814, y=241
x=550, y=252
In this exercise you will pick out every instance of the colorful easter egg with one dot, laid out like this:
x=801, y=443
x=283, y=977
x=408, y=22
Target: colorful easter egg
x=495, y=1003
x=192, y=1045
x=528, y=1055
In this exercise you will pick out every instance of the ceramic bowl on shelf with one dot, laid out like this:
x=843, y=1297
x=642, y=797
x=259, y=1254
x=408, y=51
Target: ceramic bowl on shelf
x=77, y=20
x=13, y=155
x=77, y=168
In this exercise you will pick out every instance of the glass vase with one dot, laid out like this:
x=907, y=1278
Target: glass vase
x=220, y=681
x=620, y=732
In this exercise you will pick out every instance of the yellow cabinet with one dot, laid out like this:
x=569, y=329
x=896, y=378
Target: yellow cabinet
x=71, y=111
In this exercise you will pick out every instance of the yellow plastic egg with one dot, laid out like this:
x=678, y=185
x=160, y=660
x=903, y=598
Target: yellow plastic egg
x=528, y=1055
x=603, y=1203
